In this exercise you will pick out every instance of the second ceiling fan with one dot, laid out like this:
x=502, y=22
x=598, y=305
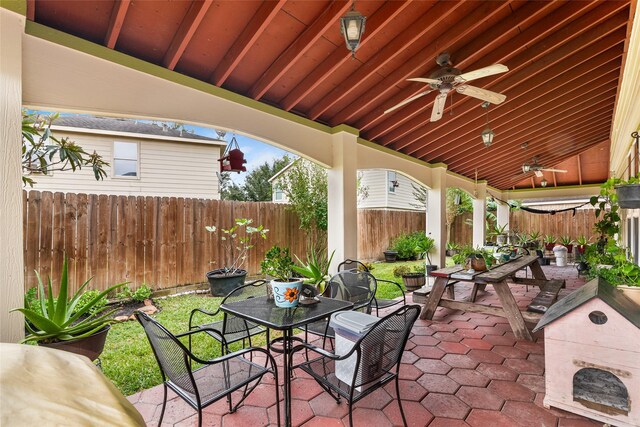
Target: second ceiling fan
x=448, y=78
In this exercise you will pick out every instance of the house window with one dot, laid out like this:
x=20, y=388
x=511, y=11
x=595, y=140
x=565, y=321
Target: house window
x=125, y=159
x=392, y=181
x=278, y=194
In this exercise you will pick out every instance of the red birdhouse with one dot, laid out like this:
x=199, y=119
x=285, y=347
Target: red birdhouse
x=233, y=160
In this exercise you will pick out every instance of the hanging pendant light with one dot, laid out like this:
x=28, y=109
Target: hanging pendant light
x=487, y=134
x=352, y=28
x=543, y=183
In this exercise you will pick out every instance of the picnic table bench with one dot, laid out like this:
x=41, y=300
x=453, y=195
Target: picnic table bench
x=500, y=278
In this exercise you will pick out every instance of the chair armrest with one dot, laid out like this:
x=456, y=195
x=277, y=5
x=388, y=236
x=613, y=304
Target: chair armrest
x=200, y=310
x=196, y=331
x=238, y=353
x=392, y=282
x=324, y=352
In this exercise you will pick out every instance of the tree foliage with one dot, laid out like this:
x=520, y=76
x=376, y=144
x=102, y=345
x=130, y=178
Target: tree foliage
x=43, y=153
x=256, y=187
x=305, y=185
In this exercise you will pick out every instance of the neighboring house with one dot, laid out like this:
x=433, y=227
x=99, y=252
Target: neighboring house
x=385, y=189
x=145, y=159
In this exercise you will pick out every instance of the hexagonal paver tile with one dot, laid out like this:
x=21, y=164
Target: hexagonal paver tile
x=490, y=330
x=578, y=422
x=435, y=383
x=527, y=413
x=468, y=377
x=376, y=400
x=538, y=359
x=264, y=395
x=432, y=366
x=442, y=327
x=325, y=406
x=423, y=330
x=248, y=415
x=446, y=406
x=453, y=347
x=323, y=422
x=409, y=372
x=460, y=361
x=428, y=352
x=524, y=366
x=424, y=340
x=415, y=414
x=533, y=382
x=512, y=391
x=447, y=422
x=470, y=333
x=447, y=336
x=409, y=357
x=510, y=352
x=365, y=416
x=477, y=343
x=480, y=397
x=497, y=372
x=500, y=340
x=409, y=390
x=485, y=418
x=462, y=324
x=531, y=347
x=486, y=356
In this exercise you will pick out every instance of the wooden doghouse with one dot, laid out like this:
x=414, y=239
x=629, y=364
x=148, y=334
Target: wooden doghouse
x=592, y=354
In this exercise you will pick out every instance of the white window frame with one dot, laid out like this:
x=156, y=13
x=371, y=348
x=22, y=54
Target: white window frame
x=390, y=188
x=277, y=190
x=114, y=158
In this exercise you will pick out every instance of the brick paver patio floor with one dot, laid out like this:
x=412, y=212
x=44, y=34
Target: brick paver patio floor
x=461, y=369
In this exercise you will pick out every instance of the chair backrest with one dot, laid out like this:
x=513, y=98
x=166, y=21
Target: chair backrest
x=381, y=348
x=350, y=264
x=172, y=356
x=233, y=324
x=358, y=287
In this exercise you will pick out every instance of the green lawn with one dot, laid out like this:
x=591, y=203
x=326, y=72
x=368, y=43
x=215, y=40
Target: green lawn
x=129, y=362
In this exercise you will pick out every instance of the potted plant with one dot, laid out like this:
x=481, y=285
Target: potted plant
x=412, y=280
x=66, y=323
x=500, y=234
x=567, y=243
x=549, y=241
x=390, y=255
x=477, y=259
x=581, y=244
x=316, y=268
x=533, y=240
x=614, y=265
x=237, y=241
x=426, y=245
x=452, y=248
x=277, y=263
x=628, y=192
x=405, y=247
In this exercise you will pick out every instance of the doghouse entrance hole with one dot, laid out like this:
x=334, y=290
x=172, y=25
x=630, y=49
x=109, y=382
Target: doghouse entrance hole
x=600, y=390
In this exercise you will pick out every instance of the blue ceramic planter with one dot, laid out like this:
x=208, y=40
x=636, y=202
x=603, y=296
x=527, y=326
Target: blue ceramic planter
x=286, y=294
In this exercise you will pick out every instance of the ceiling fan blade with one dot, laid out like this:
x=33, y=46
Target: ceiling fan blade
x=481, y=72
x=482, y=94
x=425, y=80
x=538, y=173
x=554, y=170
x=438, y=107
x=406, y=101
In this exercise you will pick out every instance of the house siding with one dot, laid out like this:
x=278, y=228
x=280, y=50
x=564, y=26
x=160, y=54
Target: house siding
x=166, y=168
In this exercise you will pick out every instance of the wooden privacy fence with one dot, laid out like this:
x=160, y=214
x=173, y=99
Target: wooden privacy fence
x=162, y=242
x=158, y=241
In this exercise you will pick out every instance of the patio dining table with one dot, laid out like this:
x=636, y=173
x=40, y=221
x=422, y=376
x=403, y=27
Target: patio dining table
x=500, y=277
x=264, y=312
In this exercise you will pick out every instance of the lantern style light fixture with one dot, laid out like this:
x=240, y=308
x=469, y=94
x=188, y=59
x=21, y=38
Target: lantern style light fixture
x=487, y=134
x=543, y=183
x=352, y=28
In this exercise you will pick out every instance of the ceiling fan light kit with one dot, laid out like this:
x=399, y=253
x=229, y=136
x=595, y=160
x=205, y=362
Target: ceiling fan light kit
x=352, y=28
x=448, y=79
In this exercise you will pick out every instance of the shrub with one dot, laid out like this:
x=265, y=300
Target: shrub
x=142, y=293
x=405, y=245
x=400, y=270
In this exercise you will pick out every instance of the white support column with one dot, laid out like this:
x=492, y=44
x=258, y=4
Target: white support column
x=11, y=261
x=436, y=215
x=342, y=199
x=480, y=216
x=503, y=216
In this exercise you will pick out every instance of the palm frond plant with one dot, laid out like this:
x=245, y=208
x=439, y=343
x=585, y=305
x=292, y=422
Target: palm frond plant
x=62, y=318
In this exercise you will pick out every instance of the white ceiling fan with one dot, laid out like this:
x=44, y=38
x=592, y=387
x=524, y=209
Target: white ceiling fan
x=537, y=169
x=448, y=78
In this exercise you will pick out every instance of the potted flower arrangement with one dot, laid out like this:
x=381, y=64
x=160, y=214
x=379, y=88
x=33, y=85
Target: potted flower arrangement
x=567, y=243
x=412, y=279
x=69, y=324
x=237, y=241
x=277, y=263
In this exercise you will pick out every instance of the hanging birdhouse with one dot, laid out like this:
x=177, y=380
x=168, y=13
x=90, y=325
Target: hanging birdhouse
x=233, y=159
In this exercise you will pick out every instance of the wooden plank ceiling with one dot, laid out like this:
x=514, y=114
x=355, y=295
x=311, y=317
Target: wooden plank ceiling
x=564, y=59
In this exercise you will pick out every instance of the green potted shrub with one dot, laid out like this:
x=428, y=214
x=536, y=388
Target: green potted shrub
x=405, y=247
x=426, y=245
x=581, y=244
x=613, y=264
x=237, y=241
x=316, y=268
x=452, y=248
x=499, y=232
x=73, y=324
x=478, y=259
x=412, y=279
x=277, y=264
x=549, y=241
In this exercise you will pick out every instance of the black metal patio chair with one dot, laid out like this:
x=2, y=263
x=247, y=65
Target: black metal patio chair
x=370, y=362
x=356, y=286
x=378, y=303
x=232, y=328
x=217, y=378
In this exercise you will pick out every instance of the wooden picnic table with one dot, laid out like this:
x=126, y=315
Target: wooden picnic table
x=499, y=277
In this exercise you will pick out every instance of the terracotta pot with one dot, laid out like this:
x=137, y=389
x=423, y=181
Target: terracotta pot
x=90, y=346
x=221, y=283
x=581, y=248
x=478, y=264
x=569, y=248
x=549, y=246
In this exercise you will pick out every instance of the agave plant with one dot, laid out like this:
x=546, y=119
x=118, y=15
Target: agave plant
x=62, y=318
